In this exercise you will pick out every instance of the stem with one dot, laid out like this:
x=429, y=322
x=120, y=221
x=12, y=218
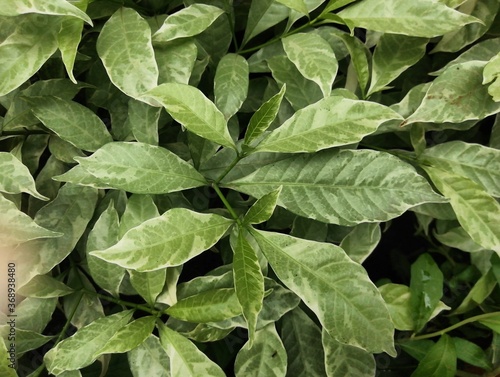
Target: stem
x=226, y=203
x=455, y=326
x=229, y=168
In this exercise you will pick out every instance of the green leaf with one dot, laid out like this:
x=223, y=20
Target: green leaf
x=185, y=358
x=148, y=284
x=71, y=121
x=330, y=122
x=149, y=359
x=52, y=7
x=457, y=95
x=140, y=168
x=440, y=360
x=143, y=121
x=477, y=212
x=334, y=287
x=148, y=247
x=491, y=74
x=263, y=14
x=187, y=22
x=248, y=280
x=263, y=208
x=45, y=286
x=302, y=340
x=209, y=306
x=231, y=84
x=25, y=340
x=426, y=289
x=33, y=314
x=17, y=227
x=83, y=347
x=129, y=336
x=176, y=61
x=479, y=292
x=474, y=161
x=264, y=116
x=393, y=55
x=297, y=5
x=345, y=360
x=425, y=18
x=139, y=209
x=313, y=57
x=459, y=239
x=189, y=106
x=6, y=362
x=266, y=357
x=358, y=186
x=16, y=178
x=361, y=241
x=472, y=354
x=124, y=46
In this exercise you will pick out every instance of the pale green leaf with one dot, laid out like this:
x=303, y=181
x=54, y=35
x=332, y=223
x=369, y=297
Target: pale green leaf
x=186, y=360
x=69, y=213
x=209, y=306
x=63, y=150
x=143, y=121
x=393, y=55
x=129, y=337
x=264, y=116
x=440, y=360
x=491, y=73
x=361, y=241
x=139, y=209
x=7, y=364
x=492, y=322
x=125, y=48
x=149, y=359
x=16, y=178
x=187, y=22
x=477, y=212
x=263, y=208
x=169, y=294
x=176, y=61
x=426, y=289
x=423, y=18
x=313, y=57
x=52, y=7
x=457, y=95
x=263, y=14
x=458, y=238
x=472, y=353
x=479, y=292
x=83, y=347
x=474, y=161
x=17, y=227
x=231, y=84
x=248, y=280
x=140, y=168
x=79, y=176
x=344, y=187
x=33, y=314
x=45, y=286
x=266, y=357
x=296, y=5
x=71, y=121
x=148, y=284
x=25, y=340
x=189, y=106
x=334, y=287
x=148, y=247
x=300, y=92
x=344, y=360
x=330, y=122
x=302, y=340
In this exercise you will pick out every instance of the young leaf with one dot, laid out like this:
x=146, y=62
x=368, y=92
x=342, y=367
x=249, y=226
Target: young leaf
x=52, y=7
x=457, y=95
x=189, y=106
x=129, y=336
x=440, y=360
x=140, y=168
x=361, y=241
x=263, y=208
x=264, y=116
x=425, y=18
x=83, y=347
x=231, y=84
x=477, y=212
x=71, y=122
x=149, y=359
x=393, y=55
x=17, y=227
x=345, y=360
x=209, y=306
x=343, y=187
x=187, y=22
x=185, y=358
x=16, y=178
x=248, y=280
x=302, y=340
x=426, y=289
x=148, y=247
x=330, y=122
x=334, y=287
x=124, y=46
x=266, y=357
x=313, y=57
